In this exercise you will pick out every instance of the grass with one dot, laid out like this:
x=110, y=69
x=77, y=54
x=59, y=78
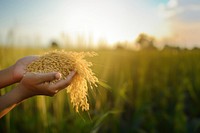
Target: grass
x=142, y=92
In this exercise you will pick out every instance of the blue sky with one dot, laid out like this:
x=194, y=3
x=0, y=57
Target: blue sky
x=114, y=20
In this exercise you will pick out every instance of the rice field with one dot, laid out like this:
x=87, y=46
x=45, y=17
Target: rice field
x=147, y=91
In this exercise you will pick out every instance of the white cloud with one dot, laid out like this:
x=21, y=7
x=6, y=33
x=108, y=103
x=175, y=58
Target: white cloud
x=172, y=4
x=181, y=9
x=184, y=18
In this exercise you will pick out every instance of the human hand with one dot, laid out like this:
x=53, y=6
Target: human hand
x=37, y=84
x=20, y=66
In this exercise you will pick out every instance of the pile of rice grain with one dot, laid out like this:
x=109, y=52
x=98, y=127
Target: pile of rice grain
x=64, y=62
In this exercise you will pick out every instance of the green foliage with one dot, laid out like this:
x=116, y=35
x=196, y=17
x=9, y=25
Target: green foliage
x=141, y=92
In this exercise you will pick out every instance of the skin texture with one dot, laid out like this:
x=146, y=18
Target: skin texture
x=29, y=84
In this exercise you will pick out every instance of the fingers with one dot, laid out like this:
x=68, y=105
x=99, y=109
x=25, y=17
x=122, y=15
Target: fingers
x=28, y=59
x=46, y=77
x=58, y=76
x=63, y=83
x=32, y=58
x=38, y=82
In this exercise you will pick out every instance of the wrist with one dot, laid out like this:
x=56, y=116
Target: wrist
x=15, y=76
x=23, y=93
x=19, y=94
x=12, y=98
x=6, y=77
x=11, y=74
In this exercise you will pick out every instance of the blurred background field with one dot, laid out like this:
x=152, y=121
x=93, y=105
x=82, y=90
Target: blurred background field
x=148, y=63
x=140, y=91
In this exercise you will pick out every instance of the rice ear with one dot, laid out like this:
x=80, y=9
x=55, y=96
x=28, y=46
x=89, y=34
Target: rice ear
x=64, y=62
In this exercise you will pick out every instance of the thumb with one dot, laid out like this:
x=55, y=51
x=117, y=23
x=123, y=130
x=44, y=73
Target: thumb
x=63, y=83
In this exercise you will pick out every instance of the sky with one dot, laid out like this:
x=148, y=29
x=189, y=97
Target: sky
x=175, y=22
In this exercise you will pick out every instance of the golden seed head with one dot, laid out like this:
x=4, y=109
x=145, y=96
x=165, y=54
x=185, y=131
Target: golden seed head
x=64, y=62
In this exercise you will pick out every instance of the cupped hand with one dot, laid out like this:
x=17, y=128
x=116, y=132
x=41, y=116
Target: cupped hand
x=20, y=66
x=37, y=84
